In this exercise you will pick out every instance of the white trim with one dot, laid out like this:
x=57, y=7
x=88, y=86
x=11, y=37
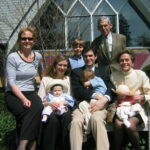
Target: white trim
x=96, y=6
x=59, y=8
x=71, y=7
x=66, y=32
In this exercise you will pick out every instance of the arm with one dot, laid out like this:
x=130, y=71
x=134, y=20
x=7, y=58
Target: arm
x=145, y=90
x=86, y=84
x=98, y=85
x=70, y=100
x=50, y=101
x=42, y=89
x=11, y=66
x=40, y=69
x=105, y=76
x=103, y=101
x=124, y=42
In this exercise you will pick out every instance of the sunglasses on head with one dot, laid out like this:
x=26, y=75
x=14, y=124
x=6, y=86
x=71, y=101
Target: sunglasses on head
x=26, y=38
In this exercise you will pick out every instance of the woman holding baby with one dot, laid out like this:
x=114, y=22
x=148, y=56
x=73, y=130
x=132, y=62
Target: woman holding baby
x=139, y=84
x=55, y=129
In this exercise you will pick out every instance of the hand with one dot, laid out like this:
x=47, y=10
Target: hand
x=63, y=102
x=54, y=105
x=98, y=96
x=139, y=99
x=86, y=84
x=26, y=103
x=98, y=105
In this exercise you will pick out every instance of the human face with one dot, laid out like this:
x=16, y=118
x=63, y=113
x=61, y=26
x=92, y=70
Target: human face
x=26, y=40
x=57, y=90
x=125, y=62
x=105, y=27
x=78, y=50
x=61, y=68
x=89, y=58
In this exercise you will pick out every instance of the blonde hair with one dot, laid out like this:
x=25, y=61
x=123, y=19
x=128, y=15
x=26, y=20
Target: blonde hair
x=87, y=75
x=31, y=29
x=77, y=42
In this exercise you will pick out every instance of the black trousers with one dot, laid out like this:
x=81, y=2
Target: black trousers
x=27, y=119
x=56, y=132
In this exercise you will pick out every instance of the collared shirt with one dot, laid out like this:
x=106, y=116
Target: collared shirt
x=109, y=37
x=76, y=62
x=91, y=68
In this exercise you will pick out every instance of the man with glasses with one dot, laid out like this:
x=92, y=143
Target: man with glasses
x=108, y=45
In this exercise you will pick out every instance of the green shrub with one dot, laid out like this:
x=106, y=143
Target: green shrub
x=7, y=122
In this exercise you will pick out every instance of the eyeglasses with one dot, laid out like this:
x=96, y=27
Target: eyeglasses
x=26, y=38
x=105, y=25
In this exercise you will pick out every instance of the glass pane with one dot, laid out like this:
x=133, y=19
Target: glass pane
x=64, y=4
x=90, y=4
x=52, y=28
x=78, y=10
x=104, y=9
x=117, y=4
x=78, y=27
x=139, y=33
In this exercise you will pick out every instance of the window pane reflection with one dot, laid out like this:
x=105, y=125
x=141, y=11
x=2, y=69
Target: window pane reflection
x=91, y=4
x=78, y=10
x=104, y=9
x=78, y=27
x=64, y=4
x=136, y=26
x=52, y=29
x=52, y=22
x=117, y=4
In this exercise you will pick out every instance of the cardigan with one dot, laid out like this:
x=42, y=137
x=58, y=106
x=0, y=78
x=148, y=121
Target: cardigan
x=138, y=83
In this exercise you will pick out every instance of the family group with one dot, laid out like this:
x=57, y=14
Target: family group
x=76, y=93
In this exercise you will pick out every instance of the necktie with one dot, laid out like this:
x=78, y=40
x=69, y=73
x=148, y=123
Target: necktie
x=106, y=45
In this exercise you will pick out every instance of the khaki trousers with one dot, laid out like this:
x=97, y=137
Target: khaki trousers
x=97, y=127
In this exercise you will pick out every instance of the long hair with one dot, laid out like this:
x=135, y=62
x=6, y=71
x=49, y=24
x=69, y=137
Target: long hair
x=51, y=70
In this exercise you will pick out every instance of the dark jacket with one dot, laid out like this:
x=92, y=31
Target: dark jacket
x=80, y=93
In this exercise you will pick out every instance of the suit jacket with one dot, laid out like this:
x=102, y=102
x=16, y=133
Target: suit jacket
x=118, y=45
x=81, y=93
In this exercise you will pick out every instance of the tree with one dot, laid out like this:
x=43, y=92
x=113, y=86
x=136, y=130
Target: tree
x=144, y=40
x=124, y=28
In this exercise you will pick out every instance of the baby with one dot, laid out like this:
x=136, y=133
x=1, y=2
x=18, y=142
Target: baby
x=125, y=105
x=57, y=93
x=90, y=82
